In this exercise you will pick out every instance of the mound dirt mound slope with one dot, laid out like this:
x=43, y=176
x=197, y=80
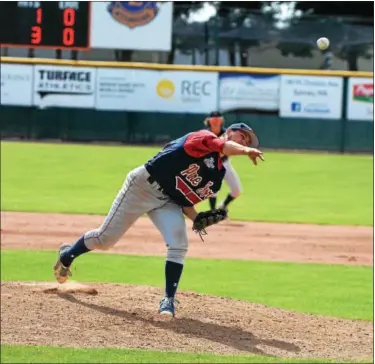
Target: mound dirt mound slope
x=125, y=316
x=227, y=240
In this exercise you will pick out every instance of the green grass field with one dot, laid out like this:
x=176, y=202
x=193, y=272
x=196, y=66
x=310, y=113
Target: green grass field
x=332, y=290
x=22, y=354
x=287, y=187
x=311, y=188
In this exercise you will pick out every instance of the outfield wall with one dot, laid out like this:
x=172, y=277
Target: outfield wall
x=107, y=101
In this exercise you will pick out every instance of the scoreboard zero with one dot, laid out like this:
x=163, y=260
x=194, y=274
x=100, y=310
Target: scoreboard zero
x=45, y=24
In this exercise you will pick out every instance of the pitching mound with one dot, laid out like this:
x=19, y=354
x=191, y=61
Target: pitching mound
x=107, y=315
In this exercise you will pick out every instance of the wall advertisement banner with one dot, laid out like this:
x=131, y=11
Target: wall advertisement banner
x=247, y=92
x=137, y=25
x=311, y=96
x=360, y=99
x=125, y=89
x=158, y=91
x=16, y=84
x=184, y=91
x=64, y=86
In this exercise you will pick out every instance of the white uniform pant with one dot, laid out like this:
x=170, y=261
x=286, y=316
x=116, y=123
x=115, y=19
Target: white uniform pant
x=137, y=197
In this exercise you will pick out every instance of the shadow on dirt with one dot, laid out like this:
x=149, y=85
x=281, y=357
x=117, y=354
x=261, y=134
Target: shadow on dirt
x=225, y=335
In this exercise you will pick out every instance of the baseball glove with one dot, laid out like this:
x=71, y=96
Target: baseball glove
x=208, y=218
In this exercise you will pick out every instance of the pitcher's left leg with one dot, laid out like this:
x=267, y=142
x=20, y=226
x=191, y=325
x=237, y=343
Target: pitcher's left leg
x=170, y=221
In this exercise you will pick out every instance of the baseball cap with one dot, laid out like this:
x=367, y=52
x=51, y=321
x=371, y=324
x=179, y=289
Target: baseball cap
x=213, y=115
x=216, y=114
x=254, y=141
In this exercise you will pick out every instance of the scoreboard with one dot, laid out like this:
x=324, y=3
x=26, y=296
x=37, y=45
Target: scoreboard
x=45, y=24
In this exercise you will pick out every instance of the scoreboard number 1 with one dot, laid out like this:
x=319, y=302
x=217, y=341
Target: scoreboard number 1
x=68, y=33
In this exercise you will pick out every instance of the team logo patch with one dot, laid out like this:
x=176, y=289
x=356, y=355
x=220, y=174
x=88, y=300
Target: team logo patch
x=209, y=162
x=133, y=13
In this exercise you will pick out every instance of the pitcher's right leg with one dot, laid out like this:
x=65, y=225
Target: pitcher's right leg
x=134, y=199
x=117, y=221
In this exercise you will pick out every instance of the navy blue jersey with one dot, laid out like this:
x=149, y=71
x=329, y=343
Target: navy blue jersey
x=189, y=169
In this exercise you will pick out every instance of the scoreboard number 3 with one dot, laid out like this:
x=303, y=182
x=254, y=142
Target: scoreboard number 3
x=68, y=33
x=36, y=30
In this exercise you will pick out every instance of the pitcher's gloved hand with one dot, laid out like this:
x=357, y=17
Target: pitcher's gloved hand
x=208, y=218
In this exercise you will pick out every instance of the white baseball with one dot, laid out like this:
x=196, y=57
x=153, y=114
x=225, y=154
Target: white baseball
x=322, y=43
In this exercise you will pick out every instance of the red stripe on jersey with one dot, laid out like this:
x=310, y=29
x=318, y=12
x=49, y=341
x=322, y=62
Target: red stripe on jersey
x=189, y=194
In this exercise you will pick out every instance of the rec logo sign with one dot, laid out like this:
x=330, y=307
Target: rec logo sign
x=186, y=91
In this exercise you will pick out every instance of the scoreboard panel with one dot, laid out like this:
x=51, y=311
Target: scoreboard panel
x=45, y=24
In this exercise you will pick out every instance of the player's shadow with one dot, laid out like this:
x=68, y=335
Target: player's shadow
x=229, y=336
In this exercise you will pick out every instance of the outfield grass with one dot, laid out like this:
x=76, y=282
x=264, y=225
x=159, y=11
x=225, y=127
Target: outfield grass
x=332, y=290
x=46, y=354
x=287, y=187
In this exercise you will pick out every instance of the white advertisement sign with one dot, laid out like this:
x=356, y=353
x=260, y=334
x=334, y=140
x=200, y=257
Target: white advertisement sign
x=189, y=92
x=138, y=25
x=311, y=96
x=240, y=91
x=64, y=86
x=160, y=91
x=125, y=89
x=16, y=84
x=360, y=99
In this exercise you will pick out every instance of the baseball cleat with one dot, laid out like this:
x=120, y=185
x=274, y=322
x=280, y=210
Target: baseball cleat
x=167, y=306
x=61, y=272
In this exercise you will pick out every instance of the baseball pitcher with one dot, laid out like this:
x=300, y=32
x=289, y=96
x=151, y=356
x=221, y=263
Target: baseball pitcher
x=185, y=172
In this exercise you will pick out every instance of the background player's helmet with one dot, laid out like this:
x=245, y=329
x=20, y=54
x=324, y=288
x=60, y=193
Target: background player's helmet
x=214, y=117
x=254, y=141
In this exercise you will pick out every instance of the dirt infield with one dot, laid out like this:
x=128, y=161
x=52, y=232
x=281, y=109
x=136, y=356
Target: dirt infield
x=125, y=316
x=227, y=240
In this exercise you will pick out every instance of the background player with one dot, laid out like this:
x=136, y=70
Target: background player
x=187, y=171
x=215, y=123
